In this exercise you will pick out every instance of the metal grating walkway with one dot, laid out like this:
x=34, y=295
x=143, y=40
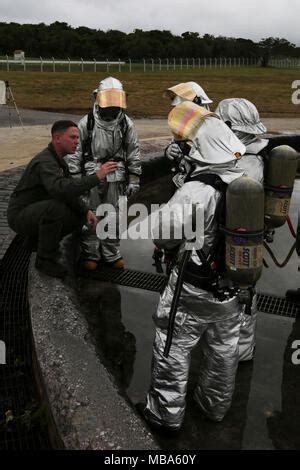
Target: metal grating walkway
x=23, y=424
x=156, y=283
x=277, y=306
x=128, y=277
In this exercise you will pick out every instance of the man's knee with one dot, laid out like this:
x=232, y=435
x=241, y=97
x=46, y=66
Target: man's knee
x=58, y=210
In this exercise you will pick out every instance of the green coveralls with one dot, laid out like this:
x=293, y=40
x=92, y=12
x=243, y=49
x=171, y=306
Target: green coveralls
x=46, y=204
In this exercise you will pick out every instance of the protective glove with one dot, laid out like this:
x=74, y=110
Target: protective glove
x=173, y=152
x=133, y=185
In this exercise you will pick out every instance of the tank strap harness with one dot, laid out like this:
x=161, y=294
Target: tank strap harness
x=205, y=276
x=208, y=275
x=87, y=154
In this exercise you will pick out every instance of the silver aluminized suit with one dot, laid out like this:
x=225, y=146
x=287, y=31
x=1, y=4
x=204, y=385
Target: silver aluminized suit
x=106, y=145
x=246, y=125
x=200, y=315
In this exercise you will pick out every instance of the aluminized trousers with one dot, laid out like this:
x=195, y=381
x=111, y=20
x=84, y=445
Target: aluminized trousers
x=108, y=249
x=200, y=316
x=247, y=332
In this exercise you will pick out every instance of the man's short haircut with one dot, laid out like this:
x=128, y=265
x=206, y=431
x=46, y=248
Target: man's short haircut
x=61, y=126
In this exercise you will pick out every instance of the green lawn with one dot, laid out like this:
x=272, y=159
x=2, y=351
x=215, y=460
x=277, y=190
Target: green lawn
x=269, y=88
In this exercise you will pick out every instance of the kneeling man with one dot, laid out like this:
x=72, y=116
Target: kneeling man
x=46, y=205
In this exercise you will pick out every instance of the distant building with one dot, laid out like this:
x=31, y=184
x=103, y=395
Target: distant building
x=19, y=55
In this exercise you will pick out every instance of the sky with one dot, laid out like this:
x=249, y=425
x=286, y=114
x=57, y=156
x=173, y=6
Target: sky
x=255, y=20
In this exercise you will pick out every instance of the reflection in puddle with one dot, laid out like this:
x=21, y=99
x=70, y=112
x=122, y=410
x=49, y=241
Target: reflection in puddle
x=284, y=425
x=101, y=303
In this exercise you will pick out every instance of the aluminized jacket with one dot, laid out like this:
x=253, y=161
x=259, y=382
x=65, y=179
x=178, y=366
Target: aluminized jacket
x=106, y=144
x=252, y=162
x=113, y=140
x=200, y=315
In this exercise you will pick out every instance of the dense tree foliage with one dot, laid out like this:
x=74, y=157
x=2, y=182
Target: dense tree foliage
x=61, y=40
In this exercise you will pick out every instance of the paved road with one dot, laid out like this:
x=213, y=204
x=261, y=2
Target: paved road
x=150, y=128
x=9, y=117
x=18, y=145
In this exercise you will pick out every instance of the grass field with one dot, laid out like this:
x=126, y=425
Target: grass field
x=270, y=89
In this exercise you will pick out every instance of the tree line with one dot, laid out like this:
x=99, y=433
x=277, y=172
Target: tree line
x=62, y=40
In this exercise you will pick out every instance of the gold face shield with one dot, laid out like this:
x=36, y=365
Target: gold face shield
x=185, y=119
x=182, y=91
x=111, y=98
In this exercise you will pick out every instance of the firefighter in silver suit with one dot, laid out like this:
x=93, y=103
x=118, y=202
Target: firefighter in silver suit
x=201, y=313
x=110, y=135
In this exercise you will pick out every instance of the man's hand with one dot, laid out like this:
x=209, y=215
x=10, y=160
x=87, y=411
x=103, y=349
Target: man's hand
x=106, y=168
x=132, y=188
x=173, y=152
x=133, y=185
x=91, y=220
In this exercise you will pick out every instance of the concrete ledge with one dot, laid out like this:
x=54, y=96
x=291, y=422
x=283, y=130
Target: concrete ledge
x=87, y=409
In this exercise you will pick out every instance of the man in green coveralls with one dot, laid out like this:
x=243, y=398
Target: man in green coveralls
x=46, y=205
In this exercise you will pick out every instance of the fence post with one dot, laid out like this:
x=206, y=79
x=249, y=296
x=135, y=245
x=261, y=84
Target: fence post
x=95, y=65
x=216, y=62
x=187, y=63
x=81, y=64
x=53, y=64
x=220, y=62
x=225, y=60
x=174, y=63
x=129, y=65
x=159, y=64
x=107, y=66
x=144, y=65
x=167, y=64
x=69, y=64
x=152, y=65
x=210, y=62
x=7, y=63
x=24, y=64
x=193, y=59
x=181, y=63
x=41, y=64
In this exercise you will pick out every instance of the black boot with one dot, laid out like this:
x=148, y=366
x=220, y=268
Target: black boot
x=51, y=267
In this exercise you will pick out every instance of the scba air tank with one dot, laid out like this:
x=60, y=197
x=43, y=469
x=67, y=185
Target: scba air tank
x=279, y=183
x=244, y=231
